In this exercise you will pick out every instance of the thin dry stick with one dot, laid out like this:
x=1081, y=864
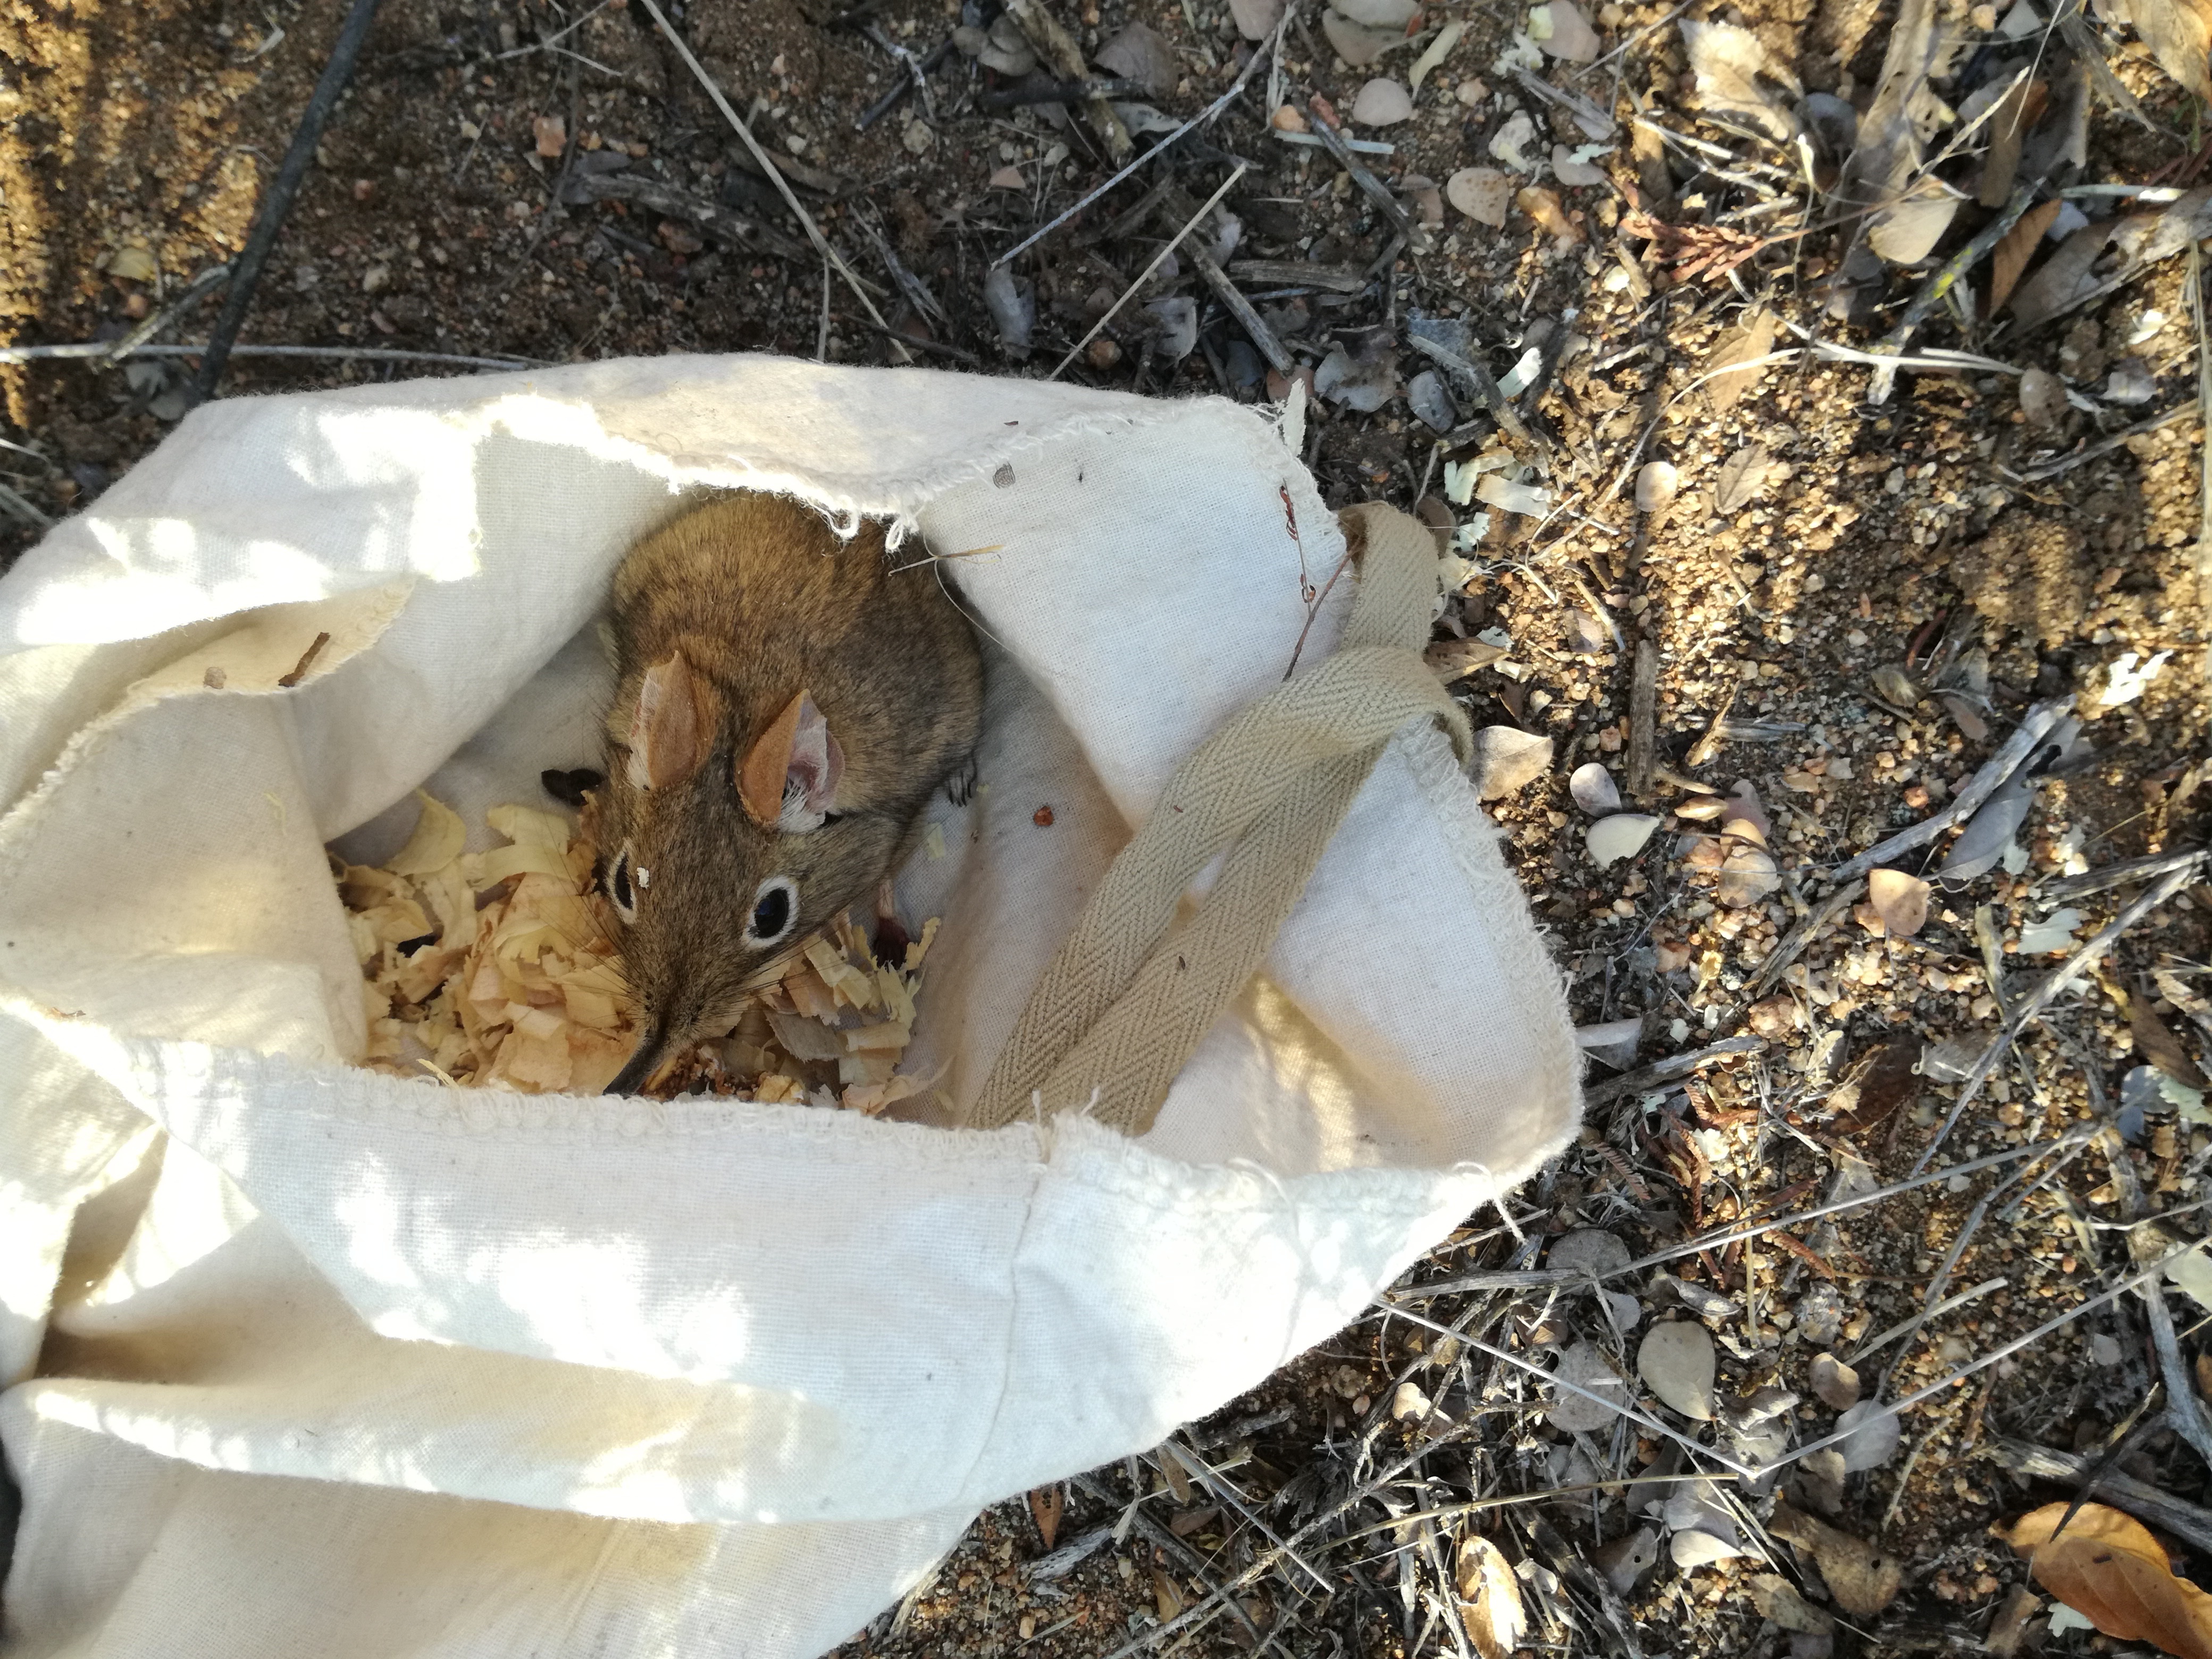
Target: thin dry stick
x=1930, y=1301
x=1905, y=1326
x=98, y=351
x=2033, y=726
x=1714, y=1240
x=2160, y=1509
x=1214, y=1482
x=1644, y=719
x=1673, y=1066
x=1884, y=379
x=1159, y=260
x=1273, y=47
x=1058, y=48
x=2203, y=409
x=2125, y=872
x=170, y=315
x=774, y=174
x=2125, y=1288
x=1313, y=611
x=2036, y=1001
x=2191, y=408
x=1802, y=934
x=1267, y=1560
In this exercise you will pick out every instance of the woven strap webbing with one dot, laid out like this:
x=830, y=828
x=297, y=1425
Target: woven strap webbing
x=1127, y=1000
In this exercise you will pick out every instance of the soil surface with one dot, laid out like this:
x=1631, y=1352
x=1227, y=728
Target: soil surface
x=1850, y=602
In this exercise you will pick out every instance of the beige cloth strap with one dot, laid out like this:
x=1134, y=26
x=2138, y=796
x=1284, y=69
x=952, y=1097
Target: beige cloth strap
x=1126, y=1002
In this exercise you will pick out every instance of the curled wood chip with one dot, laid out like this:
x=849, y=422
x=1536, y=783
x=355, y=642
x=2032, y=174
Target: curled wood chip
x=1490, y=1598
x=2107, y=1567
x=513, y=981
x=1863, y=1580
x=438, y=836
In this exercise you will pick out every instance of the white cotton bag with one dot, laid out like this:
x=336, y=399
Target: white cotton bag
x=297, y=1356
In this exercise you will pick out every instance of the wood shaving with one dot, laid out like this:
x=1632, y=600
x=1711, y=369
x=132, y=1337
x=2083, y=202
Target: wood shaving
x=501, y=969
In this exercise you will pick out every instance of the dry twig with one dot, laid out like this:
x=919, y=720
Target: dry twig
x=2036, y=1001
x=1158, y=260
x=836, y=260
x=2032, y=729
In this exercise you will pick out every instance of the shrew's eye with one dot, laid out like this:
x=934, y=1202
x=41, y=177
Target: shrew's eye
x=619, y=888
x=775, y=912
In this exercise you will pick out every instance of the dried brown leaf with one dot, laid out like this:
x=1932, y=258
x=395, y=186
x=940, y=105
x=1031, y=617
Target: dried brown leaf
x=2107, y=1567
x=1900, y=900
x=2065, y=276
x=1862, y=1579
x=1047, y=1505
x=1737, y=77
x=2156, y=1042
x=2179, y=34
x=2010, y=256
x=1490, y=1598
x=1749, y=341
x=1777, y=1599
x=1168, y=1594
x=1742, y=477
x=1881, y=1083
x=2009, y=127
x=1454, y=660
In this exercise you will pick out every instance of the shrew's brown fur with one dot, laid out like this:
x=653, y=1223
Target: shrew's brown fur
x=761, y=601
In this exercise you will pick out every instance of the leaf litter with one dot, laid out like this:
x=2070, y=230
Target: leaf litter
x=1788, y=1056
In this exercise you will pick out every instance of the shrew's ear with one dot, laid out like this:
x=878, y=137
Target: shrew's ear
x=673, y=727
x=787, y=779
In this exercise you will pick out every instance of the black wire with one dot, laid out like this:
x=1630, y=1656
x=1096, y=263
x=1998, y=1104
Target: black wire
x=246, y=270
